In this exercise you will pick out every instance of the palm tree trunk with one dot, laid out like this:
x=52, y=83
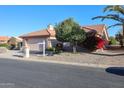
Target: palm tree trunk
x=123, y=30
x=123, y=36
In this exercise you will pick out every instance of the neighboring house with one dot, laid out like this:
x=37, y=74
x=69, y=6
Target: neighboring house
x=97, y=29
x=15, y=42
x=47, y=35
x=4, y=39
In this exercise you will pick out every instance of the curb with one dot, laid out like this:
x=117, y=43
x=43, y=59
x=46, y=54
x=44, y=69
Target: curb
x=76, y=64
x=64, y=62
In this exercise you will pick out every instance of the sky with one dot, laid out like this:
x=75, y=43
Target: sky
x=21, y=19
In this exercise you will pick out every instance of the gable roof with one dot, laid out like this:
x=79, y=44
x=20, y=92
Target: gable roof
x=5, y=38
x=98, y=28
x=51, y=33
x=43, y=33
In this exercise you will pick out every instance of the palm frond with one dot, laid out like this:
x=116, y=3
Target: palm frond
x=107, y=8
x=114, y=8
x=118, y=24
x=115, y=17
x=110, y=16
x=97, y=17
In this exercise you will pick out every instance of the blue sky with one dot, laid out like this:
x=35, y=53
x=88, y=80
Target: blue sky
x=18, y=20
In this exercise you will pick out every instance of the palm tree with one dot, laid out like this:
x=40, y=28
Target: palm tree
x=117, y=15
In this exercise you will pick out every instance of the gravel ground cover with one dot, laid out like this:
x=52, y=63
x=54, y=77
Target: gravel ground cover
x=113, y=58
x=105, y=58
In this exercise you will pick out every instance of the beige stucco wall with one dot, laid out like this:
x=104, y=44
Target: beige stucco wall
x=33, y=42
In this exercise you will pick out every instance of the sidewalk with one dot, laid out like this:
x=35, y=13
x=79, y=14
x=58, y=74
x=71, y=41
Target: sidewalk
x=106, y=59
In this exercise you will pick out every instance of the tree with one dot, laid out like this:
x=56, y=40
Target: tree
x=117, y=15
x=70, y=31
x=119, y=37
x=112, y=41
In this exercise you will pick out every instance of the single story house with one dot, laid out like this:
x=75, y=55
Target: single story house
x=4, y=39
x=48, y=35
x=33, y=38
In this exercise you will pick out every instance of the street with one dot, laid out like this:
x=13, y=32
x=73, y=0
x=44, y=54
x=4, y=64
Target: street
x=22, y=74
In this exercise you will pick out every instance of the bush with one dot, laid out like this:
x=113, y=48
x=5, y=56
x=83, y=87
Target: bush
x=59, y=48
x=119, y=37
x=4, y=45
x=50, y=49
x=12, y=46
x=90, y=43
x=112, y=41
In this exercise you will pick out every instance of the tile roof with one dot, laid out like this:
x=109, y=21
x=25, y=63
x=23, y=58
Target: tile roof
x=98, y=28
x=5, y=38
x=44, y=33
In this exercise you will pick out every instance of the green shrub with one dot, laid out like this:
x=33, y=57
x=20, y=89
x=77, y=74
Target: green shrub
x=4, y=45
x=50, y=49
x=58, y=48
x=90, y=43
x=112, y=41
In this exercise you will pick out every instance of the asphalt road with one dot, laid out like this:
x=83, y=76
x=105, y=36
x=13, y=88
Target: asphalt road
x=15, y=73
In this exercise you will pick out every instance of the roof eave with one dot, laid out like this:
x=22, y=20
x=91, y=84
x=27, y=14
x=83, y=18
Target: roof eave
x=34, y=36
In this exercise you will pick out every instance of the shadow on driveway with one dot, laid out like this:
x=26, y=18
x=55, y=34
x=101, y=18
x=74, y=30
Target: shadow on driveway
x=116, y=70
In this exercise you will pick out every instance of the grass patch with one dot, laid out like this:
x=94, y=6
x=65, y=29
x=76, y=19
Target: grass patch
x=4, y=45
